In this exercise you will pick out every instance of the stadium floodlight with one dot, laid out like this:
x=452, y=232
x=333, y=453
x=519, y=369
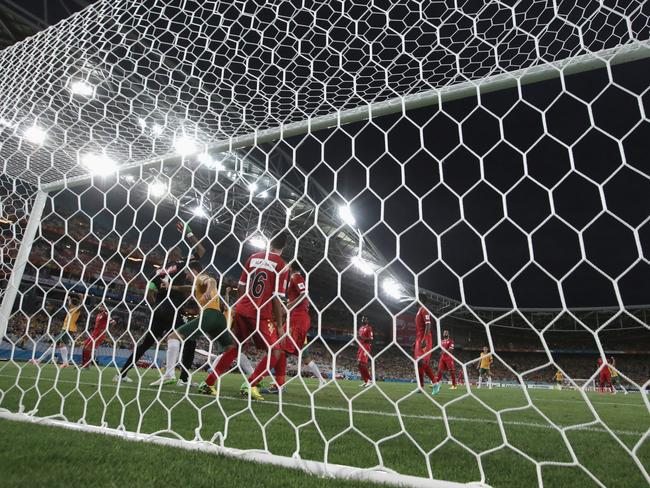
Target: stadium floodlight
x=157, y=129
x=264, y=194
x=157, y=189
x=82, y=88
x=210, y=162
x=363, y=265
x=252, y=187
x=345, y=213
x=185, y=145
x=99, y=164
x=6, y=123
x=35, y=135
x=199, y=212
x=142, y=123
x=257, y=242
x=392, y=288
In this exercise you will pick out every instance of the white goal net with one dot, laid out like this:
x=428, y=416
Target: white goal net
x=401, y=241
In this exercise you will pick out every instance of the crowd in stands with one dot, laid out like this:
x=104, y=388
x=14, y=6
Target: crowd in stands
x=516, y=350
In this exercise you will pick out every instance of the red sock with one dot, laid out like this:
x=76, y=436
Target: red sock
x=85, y=360
x=222, y=365
x=453, y=377
x=365, y=373
x=421, y=376
x=261, y=370
x=281, y=369
x=429, y=372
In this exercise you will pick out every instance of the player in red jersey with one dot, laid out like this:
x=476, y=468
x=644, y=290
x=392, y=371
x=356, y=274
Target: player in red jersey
x=605, y=377
x=297, y=328
x=423, y=342
x=259, y=310
x=446, y=363
x=365, y=340
x=96, y=336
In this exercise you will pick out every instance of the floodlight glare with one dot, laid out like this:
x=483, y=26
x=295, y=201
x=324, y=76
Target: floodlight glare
x=392, y=288
x=156, y=129
x=200, y=212
x=185, y=145
x=345, y=213
x=366, y=267
x=83, y=88
x=257, y=242
x=35, y=135
x=252, y=187
x=99, y=164
x=157, y=189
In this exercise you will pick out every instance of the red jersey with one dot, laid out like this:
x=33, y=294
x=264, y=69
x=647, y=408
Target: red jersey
x=295, y=288
x=264, y=277
x=447, y=347
x=422, y=320
x=101, y=321
x=365, y=333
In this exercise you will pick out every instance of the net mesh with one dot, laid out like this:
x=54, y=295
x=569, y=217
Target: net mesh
x=484, y=159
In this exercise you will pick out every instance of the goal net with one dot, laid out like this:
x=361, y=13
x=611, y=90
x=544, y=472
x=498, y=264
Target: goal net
x=472, y=170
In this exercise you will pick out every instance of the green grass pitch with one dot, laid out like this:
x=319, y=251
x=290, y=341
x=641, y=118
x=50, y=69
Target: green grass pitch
x=389, y=423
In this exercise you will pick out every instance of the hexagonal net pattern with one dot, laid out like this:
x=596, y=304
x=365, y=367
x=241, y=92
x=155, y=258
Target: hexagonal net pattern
x=279, y=199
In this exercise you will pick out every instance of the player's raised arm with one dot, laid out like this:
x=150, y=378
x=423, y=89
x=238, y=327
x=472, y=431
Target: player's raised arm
x=184, y=228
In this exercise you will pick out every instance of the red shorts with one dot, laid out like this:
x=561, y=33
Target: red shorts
x=605, y=376
x=362, y=353
x=420, y=352
x=95, y=339
x=246, y=328
x=446, y=364
x=299, y=325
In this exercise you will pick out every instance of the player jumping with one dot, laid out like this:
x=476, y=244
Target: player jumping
x=423, y=342
x=211, y=321
x=167, y=304
x=64, y=338
x=365, y=345
x=259, y=310
x=446, y=363
x=297, y=328
x=484, y=364
x=96, y=336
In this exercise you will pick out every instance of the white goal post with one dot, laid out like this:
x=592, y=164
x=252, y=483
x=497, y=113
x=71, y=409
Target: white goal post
x=463, y=161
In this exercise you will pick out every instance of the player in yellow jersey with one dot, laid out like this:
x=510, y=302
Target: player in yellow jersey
x=559, y=379
x=484, y=364
x=211, y=321
x=616, y=378
x=65, y=337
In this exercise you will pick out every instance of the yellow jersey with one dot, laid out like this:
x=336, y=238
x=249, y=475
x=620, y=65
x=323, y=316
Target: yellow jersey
x=486, y=360
x=200, y=289
x=612, y=371
x=559, y=376
x=71, y=318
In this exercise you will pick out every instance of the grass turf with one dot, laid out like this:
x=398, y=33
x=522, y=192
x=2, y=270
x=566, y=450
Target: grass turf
x=344, y=424
x=63, y=458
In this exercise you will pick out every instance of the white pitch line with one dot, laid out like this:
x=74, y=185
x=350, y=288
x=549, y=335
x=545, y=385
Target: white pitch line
x=364, y=412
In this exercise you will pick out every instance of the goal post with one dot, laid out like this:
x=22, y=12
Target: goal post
x=459, y=189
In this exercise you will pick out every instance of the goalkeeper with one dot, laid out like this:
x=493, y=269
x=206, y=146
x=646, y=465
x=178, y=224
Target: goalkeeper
x=167, y=304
